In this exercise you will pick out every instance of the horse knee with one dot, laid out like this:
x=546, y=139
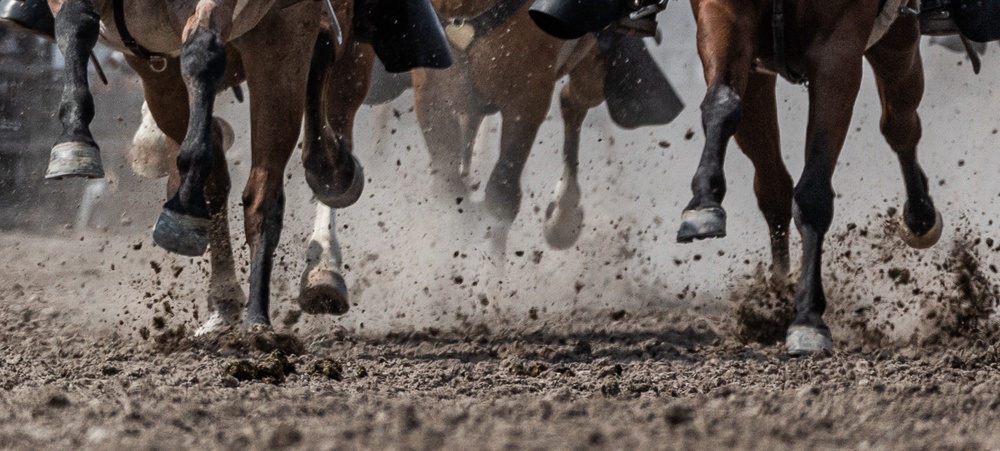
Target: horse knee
x=901, y=130
x=203, y=57
x=78, y=21
x=814, y=204
x=721, y=111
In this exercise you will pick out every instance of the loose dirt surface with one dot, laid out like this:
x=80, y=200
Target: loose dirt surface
x=626, y=341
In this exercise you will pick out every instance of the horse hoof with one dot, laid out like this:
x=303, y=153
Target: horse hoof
x=807, y=340
x=914, y=240
x=323, y=292
x=181, y=234
x=347, y=197
x=701, y=224
x=75, y=159
x=562, y=229
x=216, y=322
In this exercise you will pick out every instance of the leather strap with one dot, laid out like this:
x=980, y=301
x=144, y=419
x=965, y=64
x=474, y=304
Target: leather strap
x=130, y=43
x=780, y=53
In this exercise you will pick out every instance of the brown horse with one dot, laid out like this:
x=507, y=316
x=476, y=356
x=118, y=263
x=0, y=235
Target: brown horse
x=505, y=64
x=742, y=43
x=199, y=47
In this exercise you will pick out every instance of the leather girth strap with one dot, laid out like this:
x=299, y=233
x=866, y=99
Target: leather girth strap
x=130, y=43
x=780, y=52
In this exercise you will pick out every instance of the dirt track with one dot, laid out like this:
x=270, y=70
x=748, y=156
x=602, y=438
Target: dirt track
x=627, y=341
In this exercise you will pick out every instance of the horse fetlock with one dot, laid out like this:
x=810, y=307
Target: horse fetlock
x=75, y=159
x=340, y=190
x=181, y=234
x=323, y=292
x=803, y=340
x=919, y=233
x=702, y=223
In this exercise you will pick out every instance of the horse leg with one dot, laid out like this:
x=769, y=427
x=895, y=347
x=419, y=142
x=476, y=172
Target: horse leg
x=564, y=216
x=895, y=61
x=277, y=100
x=759, y=139
x=449, y=127
x=521, y=119
x=75, y=153
x=183, y=225
x=332, y=172
x=166, y=98
x=834, y=78
x=322, y=288
x=725, y=54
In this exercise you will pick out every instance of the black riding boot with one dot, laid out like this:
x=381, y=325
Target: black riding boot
x=936, y=18
x=405, y=33
x=32, y=16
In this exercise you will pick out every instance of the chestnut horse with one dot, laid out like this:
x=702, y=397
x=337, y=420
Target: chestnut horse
x=193, y=49
x=742, y=43
x=504, y=63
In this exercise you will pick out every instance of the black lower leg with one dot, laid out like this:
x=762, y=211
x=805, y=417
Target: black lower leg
x=203, y=63
x=77, y=26
x=262, y=261
x=721, y=112
x=813, y=215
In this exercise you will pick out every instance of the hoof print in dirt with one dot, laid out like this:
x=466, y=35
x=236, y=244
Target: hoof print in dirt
x=530, y=369
x=271, y=369
x=331, y=369
x=677, y=415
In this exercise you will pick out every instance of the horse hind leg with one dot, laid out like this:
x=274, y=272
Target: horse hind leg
x=895, y=61
x=759, y=139
x=183, y=224
x=75, y=153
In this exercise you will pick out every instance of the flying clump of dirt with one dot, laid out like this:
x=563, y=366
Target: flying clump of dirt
x=762, y=308
x=964, y=307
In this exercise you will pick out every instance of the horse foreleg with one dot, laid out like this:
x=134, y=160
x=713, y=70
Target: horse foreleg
x=277, y=81
x=834, y=82
x=323, y=289
x=183, y=225
x=895, y=61
x=521, y=119
x=564, y=216
x=725, y=54
x=332, y=172
x=75, y=153
x=759, y=139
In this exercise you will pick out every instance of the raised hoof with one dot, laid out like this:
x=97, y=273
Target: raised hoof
x=805, y=340
x=323, y=292
x=562, y=230
x=914, y=240
x=347, y=197
x=701, y=224
x=181, y=234
x=75, y=159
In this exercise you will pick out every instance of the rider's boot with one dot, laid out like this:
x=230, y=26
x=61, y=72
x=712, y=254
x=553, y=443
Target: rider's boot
x=936, y=18
x=405, y=33
x=32, y=16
